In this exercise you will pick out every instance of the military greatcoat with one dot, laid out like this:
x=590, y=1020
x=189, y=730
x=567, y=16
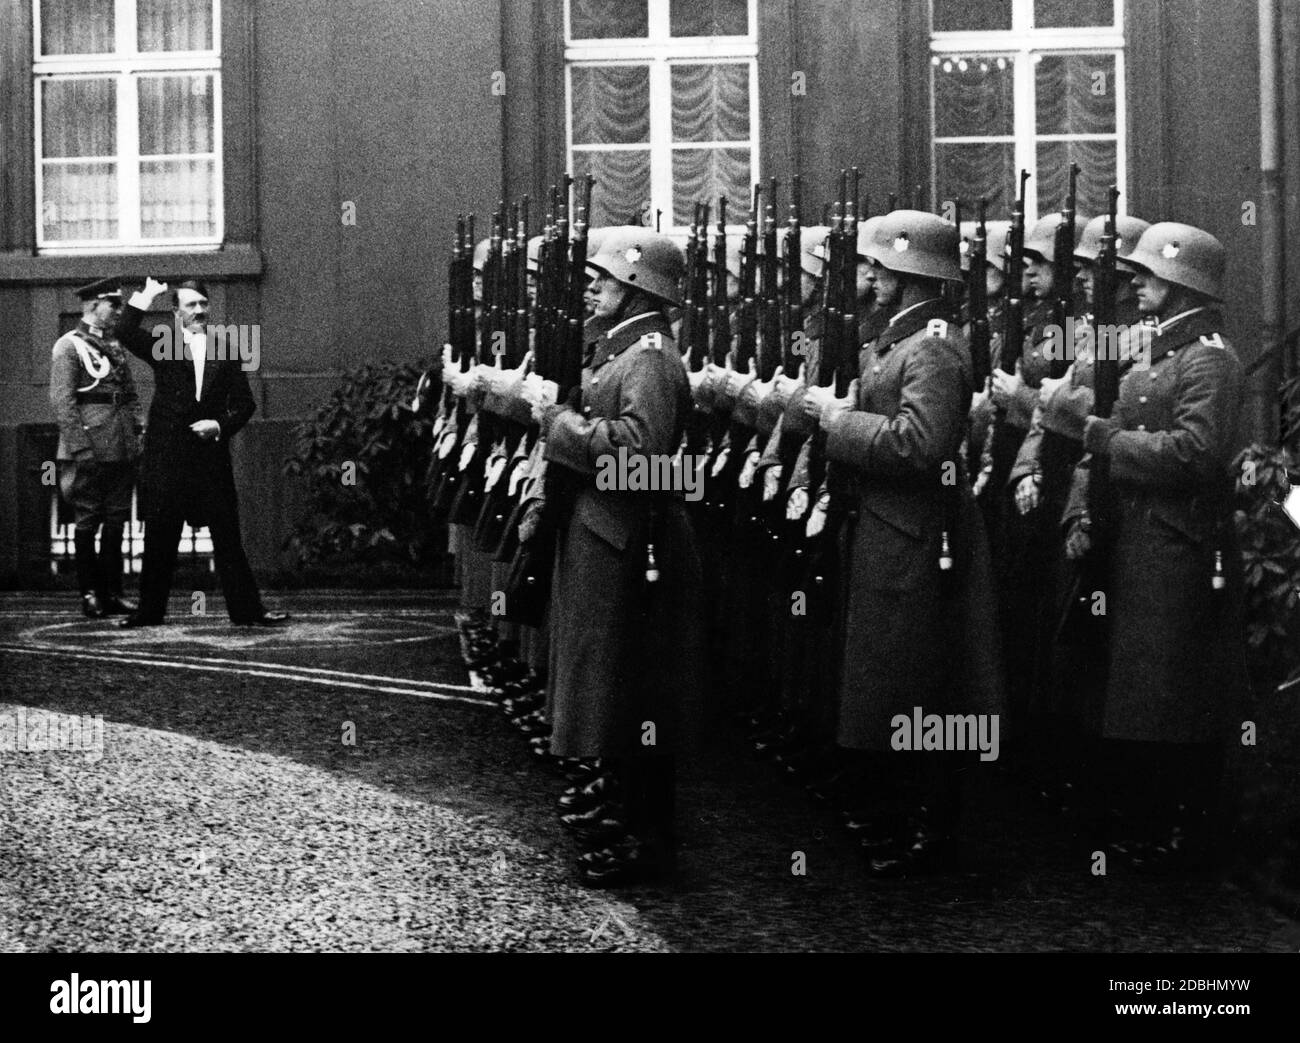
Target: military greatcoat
x=913, y=637
x=625, y=653
x=1177, y=667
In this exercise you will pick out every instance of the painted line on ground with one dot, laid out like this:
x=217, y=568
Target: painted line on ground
x=278, y=672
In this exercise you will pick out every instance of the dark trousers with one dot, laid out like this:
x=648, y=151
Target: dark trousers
x=162, y=534
x=100, y=495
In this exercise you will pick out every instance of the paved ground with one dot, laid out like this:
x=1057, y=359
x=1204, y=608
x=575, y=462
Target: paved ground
x=229, y=811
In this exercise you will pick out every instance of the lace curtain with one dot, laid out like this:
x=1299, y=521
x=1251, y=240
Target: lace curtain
x=709, y=117
x=81, y=177
x=1074, y=95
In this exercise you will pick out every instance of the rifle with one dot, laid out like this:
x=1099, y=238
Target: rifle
x=1063, y=272
x=696, y=309
x=977, y=299
x=1013, y=313
x=720, y=342
x=770, y=307
x=1093, y=572
x=792, y=263
x=747, y=326
x=847, y=341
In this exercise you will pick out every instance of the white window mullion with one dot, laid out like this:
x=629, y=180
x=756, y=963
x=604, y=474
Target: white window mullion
x=128, y=158
x=659, y=23
x=661, y=135
x=1026, y=139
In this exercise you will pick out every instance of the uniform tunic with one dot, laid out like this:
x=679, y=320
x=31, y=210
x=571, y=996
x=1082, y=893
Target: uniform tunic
x=907, y=642
x=624, y=653
x=100, y=488
x=1177, y=650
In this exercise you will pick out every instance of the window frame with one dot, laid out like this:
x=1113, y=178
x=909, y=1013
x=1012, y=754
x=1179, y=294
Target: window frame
x=659, y=51
x=126, y=68
x=1022, y=42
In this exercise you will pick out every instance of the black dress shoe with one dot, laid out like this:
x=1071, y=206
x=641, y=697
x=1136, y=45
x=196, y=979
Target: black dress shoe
x=582, y=819
x=118, y=606
x=582, y=798
x=92, y=607
x=266, y=619
x=134, y=620
x=631, y=861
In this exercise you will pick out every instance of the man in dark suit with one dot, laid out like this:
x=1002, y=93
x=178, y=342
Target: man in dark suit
x=201, y=400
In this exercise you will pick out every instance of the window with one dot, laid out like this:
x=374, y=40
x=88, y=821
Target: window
x=128, y=123
x=1027, y=84
x=662, y=105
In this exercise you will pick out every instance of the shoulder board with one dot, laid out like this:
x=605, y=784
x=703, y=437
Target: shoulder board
x=1214, y=340
x=937, y=328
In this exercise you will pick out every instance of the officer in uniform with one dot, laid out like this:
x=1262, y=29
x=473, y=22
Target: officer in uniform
x=1176, y=649
x=626, y=623
x=98, y=412
x=914, y=556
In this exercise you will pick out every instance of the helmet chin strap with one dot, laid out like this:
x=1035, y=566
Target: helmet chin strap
x=631, y=297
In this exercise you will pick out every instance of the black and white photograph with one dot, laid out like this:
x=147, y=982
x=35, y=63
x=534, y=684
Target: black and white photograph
x=650, y=476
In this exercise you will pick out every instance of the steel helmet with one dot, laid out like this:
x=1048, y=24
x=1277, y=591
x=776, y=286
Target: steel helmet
x=913, y=242
x=812, y=249
x=733, y=253
x=1181, y=254
x=535, y=252
x=995, y=243
x=645, y=261
x=1041, y=240
x=1128, y=230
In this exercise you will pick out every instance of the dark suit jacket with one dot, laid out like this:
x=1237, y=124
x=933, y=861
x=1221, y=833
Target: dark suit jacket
x=178, y=468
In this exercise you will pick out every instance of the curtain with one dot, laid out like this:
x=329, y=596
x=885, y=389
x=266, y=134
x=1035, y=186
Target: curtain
x=178, y=198
x=1056, y=14
x=1075, y=94
x=710, y=102
x=80, y=201
x=704, y=174
x=622, y=184
x=708, y=18
x=174, y=25
x=78, y=116
x=610, y=104
x=176, y=114
x=77, y=26
x=608, y=19
x=971, y=171
x=1097, y=173
x=976, y=102
x=971, y=15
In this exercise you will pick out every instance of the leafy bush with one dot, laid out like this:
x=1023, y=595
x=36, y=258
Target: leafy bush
x=363, y=456
x=1270, y=547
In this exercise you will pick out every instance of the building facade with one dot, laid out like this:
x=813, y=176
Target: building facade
x=308, y=160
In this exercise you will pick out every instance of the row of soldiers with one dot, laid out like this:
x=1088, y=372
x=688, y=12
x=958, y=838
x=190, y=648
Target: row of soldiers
x=902, y=496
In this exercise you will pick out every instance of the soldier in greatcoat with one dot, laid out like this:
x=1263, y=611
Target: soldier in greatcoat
x=1176, y=662
x=626, y=625
x=915, y=571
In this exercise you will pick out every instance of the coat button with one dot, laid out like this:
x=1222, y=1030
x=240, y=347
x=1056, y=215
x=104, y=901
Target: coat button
x=1035, y=354
x=595, y=381
x=1168, y=354
x=1142, y=399
x=609, y=358
x=587, y=410
x=1142, y=427
x=875, y=369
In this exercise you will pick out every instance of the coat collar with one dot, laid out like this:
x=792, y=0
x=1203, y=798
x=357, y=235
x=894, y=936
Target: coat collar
x=909, y=321
x=1180, y=330
x=609, y=345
